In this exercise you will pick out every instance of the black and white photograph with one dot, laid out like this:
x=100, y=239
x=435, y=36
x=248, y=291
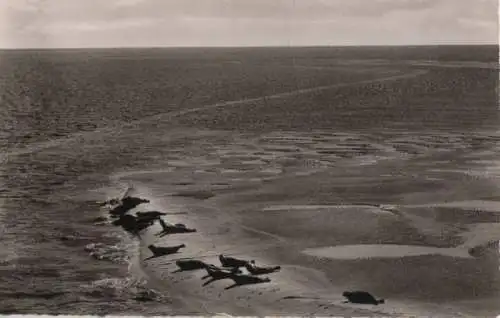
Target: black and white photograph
x=257, y=158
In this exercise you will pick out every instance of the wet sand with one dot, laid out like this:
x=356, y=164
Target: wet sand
x=313, y=275
x=297, y=202
x=294, y=290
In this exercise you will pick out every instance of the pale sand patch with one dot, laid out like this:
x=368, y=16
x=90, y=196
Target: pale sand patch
x=434, y=179
x=362, y=251
x=246, y=180
x=232, y=171
x=299, y=207
x=256, y=162
x=477, y=235
x=369, y=160
x=453, y=64
x=271, y=171
x=191, y=163
x=460, y=171
x=368, y=208
x=306, y=173
x=475, y=205
x=480, y=234
x=203, y=171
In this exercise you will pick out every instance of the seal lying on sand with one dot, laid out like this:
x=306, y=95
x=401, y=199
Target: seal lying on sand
x=143, y=225
x=214, y=271
x=126, y=205
x=124, y=220
x=161, y=251
x=153, y=214
x=247, y=280
x=133, y=201
x=174, y=229
x=231, y=261
x=361, y=297
x=128, y=222
x=190, y=264
x=256, y=270
x=110, y=202
x=217, y=273
x=133, y=224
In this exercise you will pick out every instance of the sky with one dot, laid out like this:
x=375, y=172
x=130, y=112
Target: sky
x=139, y=23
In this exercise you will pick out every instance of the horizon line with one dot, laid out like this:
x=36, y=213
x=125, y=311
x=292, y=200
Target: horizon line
x=247, y=46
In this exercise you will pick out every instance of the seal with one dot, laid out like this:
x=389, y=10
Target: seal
x=231, y=261
x=361, y=297
x=257, y=270
x=247, y=280
x=167, y=250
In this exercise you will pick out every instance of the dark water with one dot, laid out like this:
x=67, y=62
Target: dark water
x=69, y=119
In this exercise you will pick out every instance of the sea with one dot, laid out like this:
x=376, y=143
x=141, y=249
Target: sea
x=290, y=139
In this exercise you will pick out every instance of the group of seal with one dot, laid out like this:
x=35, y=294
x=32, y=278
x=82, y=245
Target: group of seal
x=230, y=266
x=230, y=269
x=142, y=220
